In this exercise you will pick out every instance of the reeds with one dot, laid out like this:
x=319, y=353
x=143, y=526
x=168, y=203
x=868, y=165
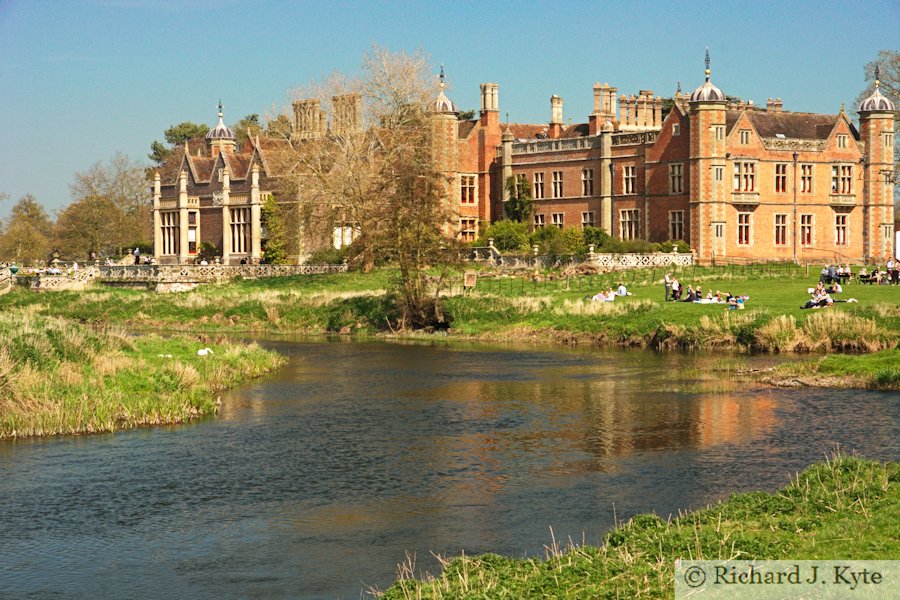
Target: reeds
x=60, y=376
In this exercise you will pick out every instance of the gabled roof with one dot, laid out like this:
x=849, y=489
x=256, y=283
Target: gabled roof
x=202, y=167
x=792, y=125
x=523, y=131
x=576, y=130
x=466, y=128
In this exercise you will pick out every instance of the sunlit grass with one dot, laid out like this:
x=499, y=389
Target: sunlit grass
x=843, y=507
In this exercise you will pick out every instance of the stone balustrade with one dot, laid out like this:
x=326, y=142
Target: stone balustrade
x=210, y=273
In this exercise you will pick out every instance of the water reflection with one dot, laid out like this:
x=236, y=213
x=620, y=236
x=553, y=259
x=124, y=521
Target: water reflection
x=318, y=479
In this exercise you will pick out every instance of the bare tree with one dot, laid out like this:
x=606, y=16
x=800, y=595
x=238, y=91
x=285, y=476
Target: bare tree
x=373, y=172
x=123, y=183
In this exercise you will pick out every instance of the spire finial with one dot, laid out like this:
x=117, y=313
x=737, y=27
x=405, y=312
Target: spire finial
x=678, y=89
x=842, y=108
x=220, y=108
x=442, y=77
x=707, y=63
x=877, y=77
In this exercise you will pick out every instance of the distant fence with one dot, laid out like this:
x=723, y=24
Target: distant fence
x=207, y=273
x=611, y=262
x=160, y=277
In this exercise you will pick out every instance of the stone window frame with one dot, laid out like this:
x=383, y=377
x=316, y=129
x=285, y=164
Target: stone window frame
x=537, y=187
x=629, y=180
x=540, y=220
x=676, y=224
x=841, y=229
x=807, y=178
x=676, y=129
x=781, y=178
x=587, y=219
x=557, y=184
x=558, y=219
x=587, y=182
x=842, y=140
x=468, y=229
x=779, y=234
x=744, y=228
x=842, y=178
x=744, y=171
x=676, y=178
x=807, y=229
x=468, y=188
x=744, y=135
x=629, y=223
x=719, y=132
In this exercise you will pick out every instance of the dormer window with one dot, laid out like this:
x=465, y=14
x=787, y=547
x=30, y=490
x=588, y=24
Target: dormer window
x=219, y=175
x=744, y=137
x=842, y=140
x=676, y=130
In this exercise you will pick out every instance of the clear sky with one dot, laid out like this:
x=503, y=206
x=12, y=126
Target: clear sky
x=82, y=79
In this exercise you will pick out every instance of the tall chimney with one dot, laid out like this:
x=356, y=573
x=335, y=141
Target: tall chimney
x=346, y=118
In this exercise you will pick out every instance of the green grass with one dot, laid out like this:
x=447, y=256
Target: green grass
x=843, y=508
x=547, y=305
x=58, y=376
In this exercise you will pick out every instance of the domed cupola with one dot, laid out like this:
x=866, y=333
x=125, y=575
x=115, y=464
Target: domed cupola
x=442, y=103
x=220, y=139
x=220, y=131
x=707, y=92
x=876, y=101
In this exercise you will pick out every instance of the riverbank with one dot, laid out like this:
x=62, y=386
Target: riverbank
x=843, y=508
x=541, y=307
x=58, y=376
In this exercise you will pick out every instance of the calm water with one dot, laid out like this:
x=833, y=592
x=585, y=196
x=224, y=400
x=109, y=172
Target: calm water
x=314, y=482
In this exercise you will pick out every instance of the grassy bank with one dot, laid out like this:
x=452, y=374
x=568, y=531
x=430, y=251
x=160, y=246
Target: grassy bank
x=547, y=306
x=840, y=509
x=880, y=370
x=58, y=376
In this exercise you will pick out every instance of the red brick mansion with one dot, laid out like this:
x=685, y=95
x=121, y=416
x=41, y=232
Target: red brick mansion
x=736, y=181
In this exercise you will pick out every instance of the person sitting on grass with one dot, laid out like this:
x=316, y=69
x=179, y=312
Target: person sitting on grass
x=623, y=291
x=834, y=288
x=601, y=296
x=676, y=290
x=819, y=300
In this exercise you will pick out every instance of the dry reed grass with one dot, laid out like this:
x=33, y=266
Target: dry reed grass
x=590, y=308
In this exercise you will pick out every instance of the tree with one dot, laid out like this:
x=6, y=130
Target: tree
x=466, y=115
x=122, y=182
x=175, y=136
x=520, y=205
x=381, y=180
x=246, y=128
x=25, y=235
x=89, y=225
x=276, y=245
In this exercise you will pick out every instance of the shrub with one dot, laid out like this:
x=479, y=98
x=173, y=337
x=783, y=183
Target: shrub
x=574, y=240
x=595, y=236
x=549, y=240
x=326, y=256
x=508, y=235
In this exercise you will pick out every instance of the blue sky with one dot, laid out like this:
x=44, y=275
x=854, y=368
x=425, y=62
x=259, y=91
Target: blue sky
x=82, y=79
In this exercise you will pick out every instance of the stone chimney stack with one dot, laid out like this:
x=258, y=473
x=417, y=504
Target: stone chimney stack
x=778, y=104
x=346, y=119
x=556, y=116
x=308, y=119
x=490, y=104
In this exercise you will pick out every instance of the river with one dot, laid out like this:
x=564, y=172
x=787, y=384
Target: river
x=316, y=481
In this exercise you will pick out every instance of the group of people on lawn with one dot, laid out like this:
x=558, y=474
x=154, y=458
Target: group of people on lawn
x=888, y=274
x=821, y=295
x=676, y=292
